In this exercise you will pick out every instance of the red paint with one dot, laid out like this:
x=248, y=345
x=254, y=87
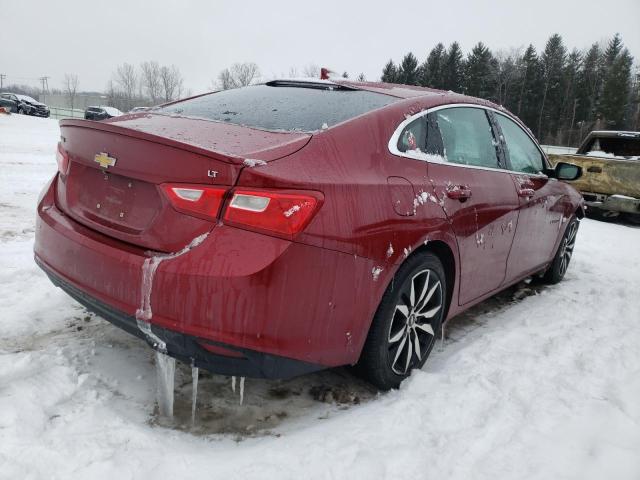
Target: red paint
x=304, y=290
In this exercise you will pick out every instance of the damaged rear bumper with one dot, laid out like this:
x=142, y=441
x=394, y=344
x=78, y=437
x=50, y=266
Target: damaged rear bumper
x=282, y=305
x=192, y=350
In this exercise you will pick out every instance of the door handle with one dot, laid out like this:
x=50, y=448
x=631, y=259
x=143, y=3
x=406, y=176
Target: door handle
x=594, y=169
x=459, y=192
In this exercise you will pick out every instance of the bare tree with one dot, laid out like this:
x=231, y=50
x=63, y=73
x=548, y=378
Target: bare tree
x=150, y=80
x=312, y=70
x=225, y=81
x=245, y=73
x=71, y=87
x=171, y=83
x=127, y=80
x=362, y=78
x=238, y=75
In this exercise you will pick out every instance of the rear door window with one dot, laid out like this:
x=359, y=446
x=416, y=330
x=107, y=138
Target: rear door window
x=282, y=106
x=467, y=137
x=522, y=153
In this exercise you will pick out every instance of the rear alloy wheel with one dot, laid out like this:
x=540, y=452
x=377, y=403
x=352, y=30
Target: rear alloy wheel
x=407, y=323
x=560, y=262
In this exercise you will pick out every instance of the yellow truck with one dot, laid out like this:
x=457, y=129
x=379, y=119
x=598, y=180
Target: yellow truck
x=610, y=181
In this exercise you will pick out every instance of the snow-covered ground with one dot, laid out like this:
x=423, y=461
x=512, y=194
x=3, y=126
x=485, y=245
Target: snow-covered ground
x=539, y=382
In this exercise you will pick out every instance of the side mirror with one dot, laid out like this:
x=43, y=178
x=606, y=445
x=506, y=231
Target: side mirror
x=567, y=171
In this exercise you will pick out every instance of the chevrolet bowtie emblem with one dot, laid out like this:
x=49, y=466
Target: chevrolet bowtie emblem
x=104, y=160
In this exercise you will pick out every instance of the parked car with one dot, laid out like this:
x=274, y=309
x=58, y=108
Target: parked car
x=101, y=112
x=27, y=105
x=610, y=161
x=283, y=228
x=8, y=104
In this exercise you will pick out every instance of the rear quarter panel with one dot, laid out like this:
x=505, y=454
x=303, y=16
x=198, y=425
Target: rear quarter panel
x=351, y=164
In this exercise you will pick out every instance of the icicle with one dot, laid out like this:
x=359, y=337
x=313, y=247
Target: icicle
x=149, y=267
x=233, y=384
x=165, y=374
x=241, y=390
x=194, y=393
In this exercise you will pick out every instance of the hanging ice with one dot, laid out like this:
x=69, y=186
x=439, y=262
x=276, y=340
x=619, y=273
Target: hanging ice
x=241, y=390
x=165, y=365
x=233, y=384
x=195, y=372
x=149, y=267
x=165, y=373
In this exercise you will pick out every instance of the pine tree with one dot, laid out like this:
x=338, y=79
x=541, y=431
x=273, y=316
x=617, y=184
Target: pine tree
x=478, y=72
x=528, y=86
x=389, y=73
x=570, y=98
x=453, y=68
x=432, y=70
x=633, y=112
x=345, y=75
x=552, y=62
x=589, y=86
x=614, y=48
x=617, y=86
x=408, y=71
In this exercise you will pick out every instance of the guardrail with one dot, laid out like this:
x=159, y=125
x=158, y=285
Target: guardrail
x=558, y=150
x=59, y=112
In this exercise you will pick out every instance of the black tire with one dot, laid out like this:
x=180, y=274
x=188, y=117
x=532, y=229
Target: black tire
x=21, y=110
x=562, y=258
x=399, y=340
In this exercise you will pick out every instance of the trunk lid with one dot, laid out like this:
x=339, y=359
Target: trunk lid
x=116, y=169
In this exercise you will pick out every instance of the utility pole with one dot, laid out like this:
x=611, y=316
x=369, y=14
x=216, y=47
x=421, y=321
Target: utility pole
x=2, y=77
x=45, y=86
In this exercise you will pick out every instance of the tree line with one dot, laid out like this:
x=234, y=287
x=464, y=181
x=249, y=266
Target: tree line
x=559, y=94
x=148, y=84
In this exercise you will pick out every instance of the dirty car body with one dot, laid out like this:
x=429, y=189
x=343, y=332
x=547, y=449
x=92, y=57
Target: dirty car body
x=610, y=161
x=306, y=198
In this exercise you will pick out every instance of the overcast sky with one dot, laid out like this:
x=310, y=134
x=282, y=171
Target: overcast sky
x=91, y=37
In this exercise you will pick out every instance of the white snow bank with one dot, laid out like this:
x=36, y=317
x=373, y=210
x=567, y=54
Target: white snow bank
x=601, y=154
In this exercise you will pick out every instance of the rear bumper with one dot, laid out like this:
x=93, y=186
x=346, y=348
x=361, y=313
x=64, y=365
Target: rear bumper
x=189, y=349
x=273, y=300
x=613, y=203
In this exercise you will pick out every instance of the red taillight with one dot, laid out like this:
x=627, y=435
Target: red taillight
x=62, y=157
x=196, y=200
x=282, y=213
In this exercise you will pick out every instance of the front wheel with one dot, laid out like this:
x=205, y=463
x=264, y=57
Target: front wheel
x=561, y=260
x=407, y=322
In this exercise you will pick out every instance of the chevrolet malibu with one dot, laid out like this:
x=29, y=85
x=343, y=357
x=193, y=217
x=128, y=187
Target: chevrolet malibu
x=283, y=228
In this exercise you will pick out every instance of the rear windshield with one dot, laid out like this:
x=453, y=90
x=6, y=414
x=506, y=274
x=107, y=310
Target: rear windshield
x=281, y=108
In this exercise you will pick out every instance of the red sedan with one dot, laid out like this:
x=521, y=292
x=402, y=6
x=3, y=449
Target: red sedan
x=292, y=226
